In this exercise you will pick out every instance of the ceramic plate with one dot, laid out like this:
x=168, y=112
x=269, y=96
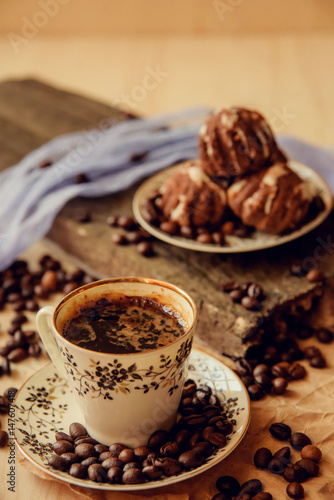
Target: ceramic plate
x=44, y=405
x=258, y=240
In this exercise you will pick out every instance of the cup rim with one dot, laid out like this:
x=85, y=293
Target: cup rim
x=131, y=279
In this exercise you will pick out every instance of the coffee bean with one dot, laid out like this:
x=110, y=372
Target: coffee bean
x=255, y=290
x=295, y=490
x=205, y=238
x=170, y=227
x=34, y=350
x=157, y=439
x=127, y=455
x=170, y=466
x=77, y=430
x=280, y=385
x=207, y=431
x=204, y=448
x=40, y=292
x=217, y=440
x=62, y=446
x=311, y=452
x=32, y=305
x=311, y=468
x=191, y=459
x=293, y=473
x=263, y=495
x=112, y=220
x=186, y=232
x=250, y=303
x=112, y=462
x=5, y=350
x=255, y=392
x=261, y=369
x=316, y=362
x=61, y=436
x=298, y=440
x=247, y=380
x=85, y=450
x=312, y=351
x=4, y=405
x=19, y=320
x=262, y=458
x=141, y=452
x=243, y=496
x=96, y=473
x=280, y=431
x=127, y=223
x=78, y=470
x=106, y=454
x=218, y=238
x=145, y=248
x=116, y=449
x=70, y=457
x=135, y=237
x=297, y=371
x=315, y=275
x=3, y=438
x=243, y=367
x=114, y=475
x=251, y=487
x=284, y=452
x=305, y=332
x=5, y=365
x=279, y=371
x=17, y=355
x=57, y=462
x=182, y=436
x=86, y=439
x=276, y=465
x=89, y=461
x=189, y=388
x=152, y=472
x=324, y=336
x=263, y=381
x=228, y=485
x=224, y=427
x=228, y=286
x=133, y=476
x=221, y=496
x=236, y=295
x=119, y=239
x=196, y=437
x=49, y=280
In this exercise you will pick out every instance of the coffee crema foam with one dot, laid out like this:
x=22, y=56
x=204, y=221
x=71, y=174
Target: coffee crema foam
x=127, y=325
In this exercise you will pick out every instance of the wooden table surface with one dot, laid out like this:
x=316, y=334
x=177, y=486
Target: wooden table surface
x=288, y=77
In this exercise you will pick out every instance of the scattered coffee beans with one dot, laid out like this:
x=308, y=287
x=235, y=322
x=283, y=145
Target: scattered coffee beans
x=295, y=490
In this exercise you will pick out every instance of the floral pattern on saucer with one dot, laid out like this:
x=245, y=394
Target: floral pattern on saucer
x=44, y=405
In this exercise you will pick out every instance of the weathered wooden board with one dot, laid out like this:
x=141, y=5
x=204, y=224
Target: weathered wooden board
x=31, y=113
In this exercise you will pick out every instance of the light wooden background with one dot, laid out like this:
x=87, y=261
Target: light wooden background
x=275, y=55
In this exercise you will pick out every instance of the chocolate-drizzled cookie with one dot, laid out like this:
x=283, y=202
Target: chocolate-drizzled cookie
x=274, y=200
x=237, y=141
x=191, y=198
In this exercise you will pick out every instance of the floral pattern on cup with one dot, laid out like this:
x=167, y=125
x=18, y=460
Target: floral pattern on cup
x=104, y=379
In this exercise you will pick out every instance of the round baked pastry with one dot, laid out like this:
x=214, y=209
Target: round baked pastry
x=191, y=198
x=274, y=200
x=237, y=141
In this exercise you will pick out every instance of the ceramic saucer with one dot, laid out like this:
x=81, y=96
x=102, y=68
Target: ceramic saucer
x=44, y=405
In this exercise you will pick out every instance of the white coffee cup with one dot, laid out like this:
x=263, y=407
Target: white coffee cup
x=121, y=397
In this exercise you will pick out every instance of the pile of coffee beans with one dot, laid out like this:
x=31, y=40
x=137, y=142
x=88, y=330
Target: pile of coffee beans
x=279, y=463
x=249, y=295
x=203, y=427
x=270, y=367
x=21, y=289
x=132, y=234
x=205, y=234
x=229, y=488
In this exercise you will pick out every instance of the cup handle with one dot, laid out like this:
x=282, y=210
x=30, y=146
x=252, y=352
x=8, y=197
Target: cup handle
x=43, y=320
